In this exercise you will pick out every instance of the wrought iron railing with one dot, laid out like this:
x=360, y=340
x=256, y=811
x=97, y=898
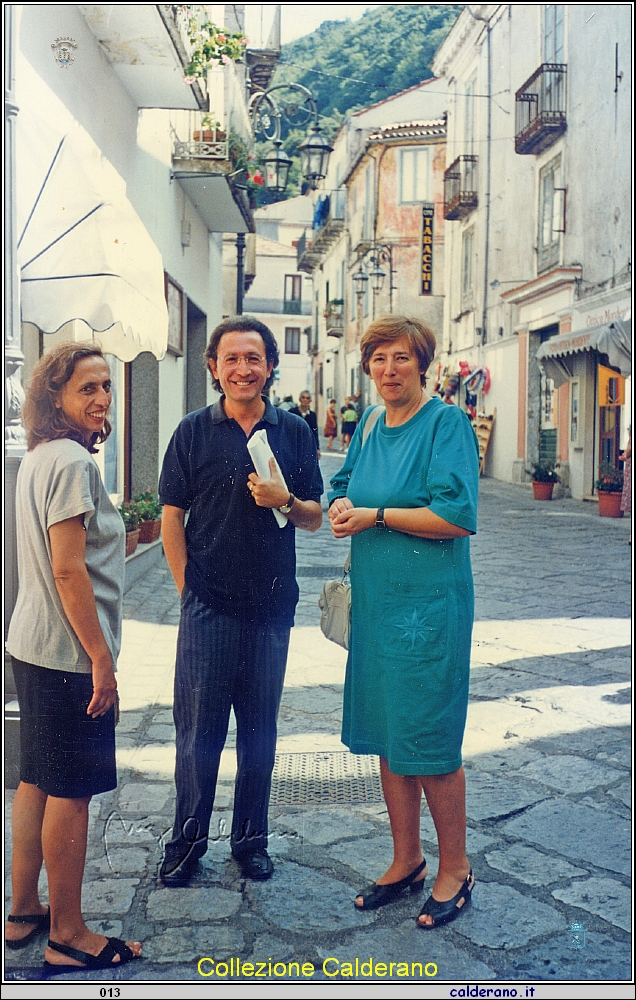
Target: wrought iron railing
x=540, y=116
x=292, y=306
x=460, y=187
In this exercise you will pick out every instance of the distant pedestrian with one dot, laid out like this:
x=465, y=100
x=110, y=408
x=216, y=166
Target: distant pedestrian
x=626, y=499
x=331, y=424
x=349, y=423
x=305, y=411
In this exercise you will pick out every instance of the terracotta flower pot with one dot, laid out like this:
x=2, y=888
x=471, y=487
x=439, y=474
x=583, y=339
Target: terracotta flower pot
x=149, y=531
x=609, y=504
x=132, y=539
x=208, y=135
x=542, y=491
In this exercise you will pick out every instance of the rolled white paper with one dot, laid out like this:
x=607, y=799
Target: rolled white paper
x=260, y=453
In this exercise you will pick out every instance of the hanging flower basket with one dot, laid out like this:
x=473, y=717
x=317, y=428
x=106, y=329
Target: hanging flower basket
x=132, y=540
x=149, y=531
x=542, y=491
x=609, y=504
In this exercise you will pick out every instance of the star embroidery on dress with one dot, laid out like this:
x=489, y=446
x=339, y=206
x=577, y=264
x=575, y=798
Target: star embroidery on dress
x=413, y=627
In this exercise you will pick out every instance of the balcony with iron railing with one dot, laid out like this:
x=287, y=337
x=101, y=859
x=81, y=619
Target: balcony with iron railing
x=329, y=221
x=540, y=116
x=460, y=187
x=334, y=318
x=306, y=259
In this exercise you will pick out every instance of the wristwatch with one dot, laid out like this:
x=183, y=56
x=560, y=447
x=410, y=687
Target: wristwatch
x=285, y=509
x=379, y=519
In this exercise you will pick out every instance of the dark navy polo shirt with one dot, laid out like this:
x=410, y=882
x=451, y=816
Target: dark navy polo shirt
x=239, y=561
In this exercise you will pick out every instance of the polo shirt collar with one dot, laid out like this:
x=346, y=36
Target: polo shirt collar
x=219, y=415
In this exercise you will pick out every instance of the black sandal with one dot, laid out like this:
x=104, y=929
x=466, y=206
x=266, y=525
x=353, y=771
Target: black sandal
x=443, y=912
x=104, y=960
x=42, y=923
x=379, y=895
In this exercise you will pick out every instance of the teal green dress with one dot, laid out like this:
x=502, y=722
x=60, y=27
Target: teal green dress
x=406, y=687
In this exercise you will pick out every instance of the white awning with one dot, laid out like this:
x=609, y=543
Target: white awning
x=85, y=255
x=612, y=339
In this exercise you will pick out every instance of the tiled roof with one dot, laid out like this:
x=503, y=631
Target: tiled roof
x=407, y=130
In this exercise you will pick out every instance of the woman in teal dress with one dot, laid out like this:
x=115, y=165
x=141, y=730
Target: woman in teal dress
x=407, y=496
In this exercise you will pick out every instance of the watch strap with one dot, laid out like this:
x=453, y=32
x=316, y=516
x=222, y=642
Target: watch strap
x=286, y=507
x=379, y=518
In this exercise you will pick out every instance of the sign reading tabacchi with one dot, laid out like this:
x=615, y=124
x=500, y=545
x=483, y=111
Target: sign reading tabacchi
x=428, y=215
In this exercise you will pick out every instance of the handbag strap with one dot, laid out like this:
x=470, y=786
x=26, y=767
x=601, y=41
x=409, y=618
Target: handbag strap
x=372, y=420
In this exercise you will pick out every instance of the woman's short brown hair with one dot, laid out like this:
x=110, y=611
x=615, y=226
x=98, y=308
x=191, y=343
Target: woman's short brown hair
x=386, y=329
x=43, y=420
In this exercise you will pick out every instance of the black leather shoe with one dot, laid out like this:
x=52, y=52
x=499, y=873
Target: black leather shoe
x=255, y=865
x=175, y=874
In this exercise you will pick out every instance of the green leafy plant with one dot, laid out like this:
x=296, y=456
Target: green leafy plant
x=544, y=472
x=210, y=44
x=147, y=505
x=129, y=512
x=209, y=121
x=610, y=479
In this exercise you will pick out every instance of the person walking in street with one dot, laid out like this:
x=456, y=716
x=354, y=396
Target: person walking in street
x=407, y=497
x=234, y=568
x=331, y=424
x=64, y=640
x=626, y=499
x=309, y=416
x=349, y=422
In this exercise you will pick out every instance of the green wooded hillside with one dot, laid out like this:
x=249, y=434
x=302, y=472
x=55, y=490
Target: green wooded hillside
x=387, y=50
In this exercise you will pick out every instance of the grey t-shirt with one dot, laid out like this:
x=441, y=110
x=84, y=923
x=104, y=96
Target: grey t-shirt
x=59, y=480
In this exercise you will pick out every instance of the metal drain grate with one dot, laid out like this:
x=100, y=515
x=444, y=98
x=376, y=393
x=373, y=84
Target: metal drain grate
x=336, y=776
x=323, y=572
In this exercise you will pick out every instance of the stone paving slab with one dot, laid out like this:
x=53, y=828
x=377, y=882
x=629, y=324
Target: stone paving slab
x=602, y=959
x=501, y=917
x=577, y=832
x=604, y=896
x=531, y=867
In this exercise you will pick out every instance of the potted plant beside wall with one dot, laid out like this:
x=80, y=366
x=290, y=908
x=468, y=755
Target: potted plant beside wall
x=149, y=510
x=609, y=486
x=130, y=517
x=544, y=476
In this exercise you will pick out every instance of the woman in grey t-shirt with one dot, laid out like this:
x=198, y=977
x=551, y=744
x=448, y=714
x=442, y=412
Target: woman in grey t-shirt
x=64, y=640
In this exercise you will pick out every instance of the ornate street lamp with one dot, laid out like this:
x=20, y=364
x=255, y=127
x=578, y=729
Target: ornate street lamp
x=299, y=112
x=276, y=169
x=314, y=156
x=376, y=277
x=360, y=280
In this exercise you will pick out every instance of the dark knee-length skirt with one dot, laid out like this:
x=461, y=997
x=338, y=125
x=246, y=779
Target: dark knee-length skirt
x=63, y=751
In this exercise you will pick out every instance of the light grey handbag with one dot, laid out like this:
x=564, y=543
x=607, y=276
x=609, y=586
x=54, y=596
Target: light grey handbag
x=335, y=600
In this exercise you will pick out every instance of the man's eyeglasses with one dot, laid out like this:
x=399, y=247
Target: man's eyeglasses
x=232, y=360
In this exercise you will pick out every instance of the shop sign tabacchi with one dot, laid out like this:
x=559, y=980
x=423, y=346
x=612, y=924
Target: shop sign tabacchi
x=428, y=214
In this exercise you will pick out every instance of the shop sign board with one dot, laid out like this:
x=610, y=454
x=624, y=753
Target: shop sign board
x=428, y=222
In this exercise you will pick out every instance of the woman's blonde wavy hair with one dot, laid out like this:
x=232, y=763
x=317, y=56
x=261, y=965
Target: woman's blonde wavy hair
x=43, y=420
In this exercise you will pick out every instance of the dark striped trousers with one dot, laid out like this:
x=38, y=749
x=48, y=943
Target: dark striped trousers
x=223, y=662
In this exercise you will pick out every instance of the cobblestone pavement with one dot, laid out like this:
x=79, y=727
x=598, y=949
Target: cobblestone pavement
x=547, y=756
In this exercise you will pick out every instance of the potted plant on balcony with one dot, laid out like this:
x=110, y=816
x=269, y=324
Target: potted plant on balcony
x=543, y=476
x=209, y=43
x=210, y=130
x=130, y=516
x=149, y=510
x=610, y=488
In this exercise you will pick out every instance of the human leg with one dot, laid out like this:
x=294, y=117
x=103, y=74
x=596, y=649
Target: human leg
x=26, y=823
x=64, y=832
x=402, y=794
x=256, y=699
x=446, y=798
x=206, y=659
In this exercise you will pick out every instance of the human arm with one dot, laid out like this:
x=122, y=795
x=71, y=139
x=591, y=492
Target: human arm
x=272, y=492
x=419, y=521
x=68, y=548
x=174, y=543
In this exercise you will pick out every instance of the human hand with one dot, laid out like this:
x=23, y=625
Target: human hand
x=270, y=492
x=104, y=687
x=353, y=520
x=338, y=506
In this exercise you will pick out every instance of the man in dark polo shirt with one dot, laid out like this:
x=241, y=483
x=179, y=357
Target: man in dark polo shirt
x=235, y=569
x=305, y=411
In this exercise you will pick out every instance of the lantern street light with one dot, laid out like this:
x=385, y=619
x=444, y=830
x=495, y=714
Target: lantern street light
x=299, y=111
x=276, y=169
x=314, y=156
x=370, y=261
